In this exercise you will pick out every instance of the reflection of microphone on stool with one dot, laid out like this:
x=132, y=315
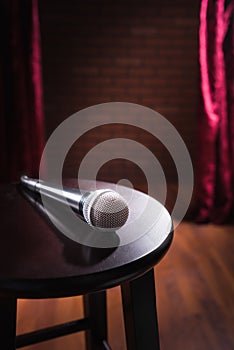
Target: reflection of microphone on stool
x=101, y=209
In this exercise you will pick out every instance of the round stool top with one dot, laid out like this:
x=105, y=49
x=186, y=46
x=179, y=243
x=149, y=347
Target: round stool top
x=37, y=260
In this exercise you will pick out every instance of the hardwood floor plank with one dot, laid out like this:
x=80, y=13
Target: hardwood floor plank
x=204, y=280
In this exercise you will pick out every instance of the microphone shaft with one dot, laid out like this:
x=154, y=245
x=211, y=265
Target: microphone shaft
x=71, y=196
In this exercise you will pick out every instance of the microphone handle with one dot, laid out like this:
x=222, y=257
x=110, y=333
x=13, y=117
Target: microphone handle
x=68, y=195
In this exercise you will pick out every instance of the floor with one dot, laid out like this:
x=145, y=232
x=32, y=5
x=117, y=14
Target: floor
x=195, y=297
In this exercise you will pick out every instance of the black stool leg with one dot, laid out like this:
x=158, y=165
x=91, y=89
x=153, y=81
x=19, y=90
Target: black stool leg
x=8, y=323
x=139, y=306
x=95, y=310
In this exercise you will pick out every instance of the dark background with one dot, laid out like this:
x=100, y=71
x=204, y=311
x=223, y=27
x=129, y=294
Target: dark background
x=145, y=52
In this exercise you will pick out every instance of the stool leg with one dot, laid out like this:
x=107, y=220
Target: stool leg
x=139, y=306
x=95, y=310
x=8, y=323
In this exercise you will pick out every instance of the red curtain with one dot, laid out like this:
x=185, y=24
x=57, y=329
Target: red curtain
x=215, y=168
x=21, y=110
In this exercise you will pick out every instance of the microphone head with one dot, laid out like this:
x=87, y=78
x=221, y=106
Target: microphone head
x=105, y=210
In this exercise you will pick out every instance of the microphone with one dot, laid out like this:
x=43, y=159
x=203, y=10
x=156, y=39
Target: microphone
x=102, y=209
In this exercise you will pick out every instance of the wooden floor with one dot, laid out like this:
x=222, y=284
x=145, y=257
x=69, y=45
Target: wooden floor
x=195, y=297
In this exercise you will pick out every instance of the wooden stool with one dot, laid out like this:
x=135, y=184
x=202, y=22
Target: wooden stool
x=38, y=261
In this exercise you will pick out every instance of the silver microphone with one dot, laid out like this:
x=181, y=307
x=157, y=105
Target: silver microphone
x=102, y=209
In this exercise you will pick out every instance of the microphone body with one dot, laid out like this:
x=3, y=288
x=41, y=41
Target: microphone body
x=102, y=209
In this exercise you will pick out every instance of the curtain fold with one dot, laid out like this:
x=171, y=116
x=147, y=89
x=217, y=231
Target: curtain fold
x=21, y=111
x=215, y=166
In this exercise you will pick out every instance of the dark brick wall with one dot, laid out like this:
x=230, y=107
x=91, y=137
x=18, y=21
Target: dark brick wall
x=144, y=52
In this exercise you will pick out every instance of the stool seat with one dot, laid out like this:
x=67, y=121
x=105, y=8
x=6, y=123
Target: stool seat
x=39, y=261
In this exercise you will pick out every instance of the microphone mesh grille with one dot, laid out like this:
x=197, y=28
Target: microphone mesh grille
x=108, y=211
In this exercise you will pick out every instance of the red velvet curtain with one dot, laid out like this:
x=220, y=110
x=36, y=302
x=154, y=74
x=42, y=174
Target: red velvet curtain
x=215, y=170
x=21, y=110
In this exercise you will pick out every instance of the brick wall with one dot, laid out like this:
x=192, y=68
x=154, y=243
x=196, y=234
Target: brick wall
x=145, y=52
